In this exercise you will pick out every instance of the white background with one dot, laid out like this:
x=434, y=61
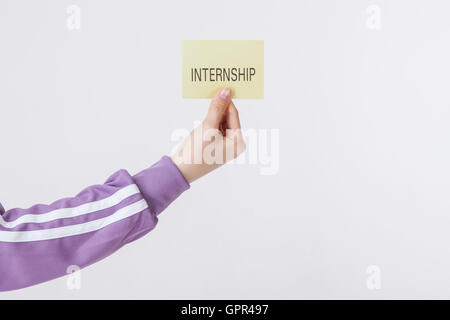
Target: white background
x=364, y=176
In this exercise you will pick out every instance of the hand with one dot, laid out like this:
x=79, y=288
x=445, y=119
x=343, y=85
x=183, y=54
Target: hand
x=216, y=141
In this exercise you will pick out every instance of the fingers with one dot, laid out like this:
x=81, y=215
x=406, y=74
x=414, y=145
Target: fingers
x=232, y=117
x=234, y=132
x=218, y=107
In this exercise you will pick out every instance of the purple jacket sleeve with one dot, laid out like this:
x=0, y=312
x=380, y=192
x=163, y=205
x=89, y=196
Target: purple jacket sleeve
x=40, y=243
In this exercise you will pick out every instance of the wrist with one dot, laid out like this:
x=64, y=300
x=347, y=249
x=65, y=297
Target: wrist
x=192, y=171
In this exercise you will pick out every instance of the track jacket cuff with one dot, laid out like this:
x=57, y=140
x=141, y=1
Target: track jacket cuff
x=161, y=184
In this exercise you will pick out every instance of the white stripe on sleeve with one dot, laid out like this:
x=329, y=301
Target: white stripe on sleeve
x=83, y=209
x=72, y=230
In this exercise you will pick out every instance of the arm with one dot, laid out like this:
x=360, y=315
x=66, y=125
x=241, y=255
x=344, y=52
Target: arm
x=39, y=243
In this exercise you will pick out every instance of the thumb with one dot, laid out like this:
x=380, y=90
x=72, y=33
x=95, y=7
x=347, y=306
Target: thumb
x=218, y=107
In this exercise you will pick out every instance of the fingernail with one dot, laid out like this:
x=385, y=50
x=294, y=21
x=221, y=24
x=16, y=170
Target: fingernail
x=225, y=93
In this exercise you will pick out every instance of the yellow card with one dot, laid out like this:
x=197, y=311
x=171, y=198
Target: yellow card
x=209, y=65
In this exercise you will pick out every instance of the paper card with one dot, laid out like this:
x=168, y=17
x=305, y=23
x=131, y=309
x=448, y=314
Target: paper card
x=209, y=65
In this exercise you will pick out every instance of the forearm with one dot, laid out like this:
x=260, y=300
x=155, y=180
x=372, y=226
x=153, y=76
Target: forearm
x=39, y=244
